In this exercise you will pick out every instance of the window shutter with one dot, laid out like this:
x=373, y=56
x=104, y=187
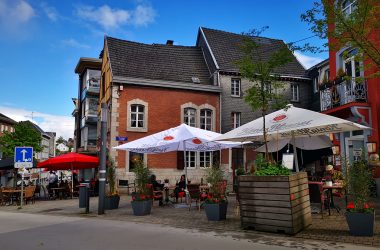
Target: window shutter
x=180, y=160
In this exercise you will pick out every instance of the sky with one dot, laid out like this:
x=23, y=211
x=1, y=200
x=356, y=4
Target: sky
x=42, y=41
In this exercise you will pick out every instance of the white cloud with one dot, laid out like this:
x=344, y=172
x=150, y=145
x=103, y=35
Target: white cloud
x=74, y=43
x=110, y=18
x=62, y=125
x=50, y=12
x=143, y=15
x=14, y=17
x=16, y=12
x=307, y=61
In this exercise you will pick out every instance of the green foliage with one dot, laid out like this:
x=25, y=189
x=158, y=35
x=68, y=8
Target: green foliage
x=214, y=176
x=24, y=135
x=142, y=174
x=353, y=29
x=359, y=183
x=60, y=140
x=111, y=176
x=272, y=169
x=240, y=171
x=267, y=91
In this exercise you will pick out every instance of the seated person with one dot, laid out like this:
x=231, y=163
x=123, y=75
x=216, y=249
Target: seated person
x=181, y=186
x=156, y=186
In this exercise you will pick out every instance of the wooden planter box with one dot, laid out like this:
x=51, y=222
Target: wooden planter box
x=275, y=203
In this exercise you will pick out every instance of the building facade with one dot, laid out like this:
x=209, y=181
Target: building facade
x=222, y=52
x=347, y=89
x=150, y=88
x=6, y=124
x=86, y=105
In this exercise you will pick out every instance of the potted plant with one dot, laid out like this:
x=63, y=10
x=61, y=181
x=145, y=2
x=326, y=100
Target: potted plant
x=325, y=83
x=216, y=203
x=141, y=200
x=359, y=215
x=112, y=198
x=340, y=74
x=274, y=199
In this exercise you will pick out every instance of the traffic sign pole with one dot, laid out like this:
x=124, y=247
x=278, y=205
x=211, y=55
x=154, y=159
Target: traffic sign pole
x=22, y=190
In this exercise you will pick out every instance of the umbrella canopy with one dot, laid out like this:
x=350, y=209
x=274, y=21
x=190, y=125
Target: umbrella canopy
x=288, y=123
x=305, y=143
x=70, y=161
x=181, y=138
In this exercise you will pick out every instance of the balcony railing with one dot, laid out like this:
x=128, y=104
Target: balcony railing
x=340, y=94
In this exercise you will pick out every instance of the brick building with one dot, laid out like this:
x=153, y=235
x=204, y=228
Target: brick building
x=150, y=88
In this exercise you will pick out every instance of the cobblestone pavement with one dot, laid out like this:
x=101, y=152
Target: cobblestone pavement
x=329, y=232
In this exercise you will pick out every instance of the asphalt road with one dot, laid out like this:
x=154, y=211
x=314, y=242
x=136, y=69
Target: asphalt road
x=30, y=231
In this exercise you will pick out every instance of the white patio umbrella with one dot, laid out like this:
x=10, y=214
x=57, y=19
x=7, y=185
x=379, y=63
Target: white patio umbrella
x=180, y=138
x=291, y=122
x=305, y=143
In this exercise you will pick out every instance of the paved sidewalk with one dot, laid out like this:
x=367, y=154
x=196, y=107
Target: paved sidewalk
x=329, y=232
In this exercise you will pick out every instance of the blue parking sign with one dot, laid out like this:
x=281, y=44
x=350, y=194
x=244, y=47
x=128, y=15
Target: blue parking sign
x=23, y=157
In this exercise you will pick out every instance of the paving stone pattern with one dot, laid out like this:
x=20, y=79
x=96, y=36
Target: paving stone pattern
x=329, y=230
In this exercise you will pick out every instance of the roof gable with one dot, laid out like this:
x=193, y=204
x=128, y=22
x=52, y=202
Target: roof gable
x=157, y=61
x=225, y=48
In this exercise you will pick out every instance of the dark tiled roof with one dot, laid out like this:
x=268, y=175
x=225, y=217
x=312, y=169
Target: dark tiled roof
x=157, y=61
x=6, y=119
x=225, y=47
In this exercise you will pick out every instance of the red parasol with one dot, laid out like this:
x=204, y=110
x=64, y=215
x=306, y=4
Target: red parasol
x=69, y=161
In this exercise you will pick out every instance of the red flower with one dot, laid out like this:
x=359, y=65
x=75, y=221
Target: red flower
x=216, y=200
x=365, y=205
x=209, y=196
x=351, y=205
x=133, y=198
x=142, y=197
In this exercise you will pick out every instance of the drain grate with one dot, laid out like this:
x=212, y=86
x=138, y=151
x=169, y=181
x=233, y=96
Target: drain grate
x=51, y=210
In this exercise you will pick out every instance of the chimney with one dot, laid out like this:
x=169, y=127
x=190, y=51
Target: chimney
x=169, y=42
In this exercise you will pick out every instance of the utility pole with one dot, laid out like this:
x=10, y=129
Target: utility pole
x=102, y=167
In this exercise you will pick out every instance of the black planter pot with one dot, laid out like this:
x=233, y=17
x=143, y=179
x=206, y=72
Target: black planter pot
x=111, y=202
x=360, y=224
x=141, y=208
x=217, y=211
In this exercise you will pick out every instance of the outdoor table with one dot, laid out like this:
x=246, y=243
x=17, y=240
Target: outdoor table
x=166, y=193
x=59, y=190
x=13, y=193
x=330, y=194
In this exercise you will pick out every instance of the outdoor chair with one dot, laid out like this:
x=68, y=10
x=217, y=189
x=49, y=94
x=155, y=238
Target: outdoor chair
x=29, y=194
x=194, y=195
x=37, y=191
x=318, y=195
x=156, y=195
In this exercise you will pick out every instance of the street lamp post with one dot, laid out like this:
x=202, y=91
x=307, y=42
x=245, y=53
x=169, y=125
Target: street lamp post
x=102, y=167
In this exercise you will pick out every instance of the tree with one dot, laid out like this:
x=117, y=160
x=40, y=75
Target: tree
x=24, y=135
x=60, y=140
x=355, y=23
x=267, y=91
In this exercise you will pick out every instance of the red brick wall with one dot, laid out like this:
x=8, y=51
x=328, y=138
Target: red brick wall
x=164, y=112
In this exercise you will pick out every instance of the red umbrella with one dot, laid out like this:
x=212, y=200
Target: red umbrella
x=70, y=161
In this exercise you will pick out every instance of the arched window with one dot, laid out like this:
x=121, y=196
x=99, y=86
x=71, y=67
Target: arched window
x=190, y=117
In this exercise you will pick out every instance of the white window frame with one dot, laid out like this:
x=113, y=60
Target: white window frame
x=236, y=119
x=316, y=84
x=206, y=116
x=191, y=159
x=129, y=116
x=235, y=87
x=188, y=116
x=205, y=159
x=295, y=91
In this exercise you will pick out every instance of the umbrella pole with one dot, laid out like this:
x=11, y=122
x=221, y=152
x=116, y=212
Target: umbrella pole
x=72, y=182
x=295, y=153
x=184, y=152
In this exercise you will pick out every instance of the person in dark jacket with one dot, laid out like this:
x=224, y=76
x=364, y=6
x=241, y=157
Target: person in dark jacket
x=181, y=186
x=156, y=186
